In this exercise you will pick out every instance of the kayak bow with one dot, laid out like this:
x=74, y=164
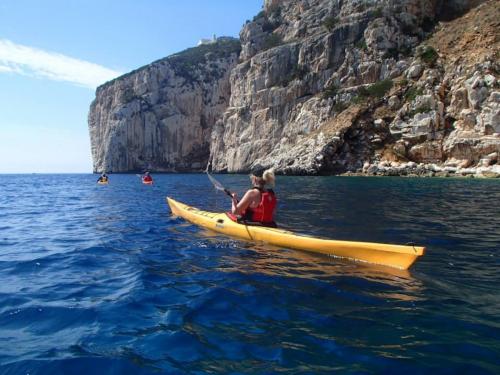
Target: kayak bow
x=398, y=256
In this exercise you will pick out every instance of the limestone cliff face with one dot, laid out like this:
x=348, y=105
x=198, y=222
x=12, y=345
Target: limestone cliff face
x=349, y=86
x=160, y=117
x=388, y=87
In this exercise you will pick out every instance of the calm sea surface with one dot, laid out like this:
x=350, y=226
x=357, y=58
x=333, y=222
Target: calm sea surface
x=102, y=280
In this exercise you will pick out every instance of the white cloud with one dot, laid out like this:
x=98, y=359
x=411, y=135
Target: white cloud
x=16, y=58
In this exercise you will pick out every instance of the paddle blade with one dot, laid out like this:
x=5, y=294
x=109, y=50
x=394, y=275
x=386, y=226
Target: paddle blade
x=216, y=183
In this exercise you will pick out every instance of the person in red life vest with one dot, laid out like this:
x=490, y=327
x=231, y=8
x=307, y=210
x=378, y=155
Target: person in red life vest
x=147, y=178
x=258, y=204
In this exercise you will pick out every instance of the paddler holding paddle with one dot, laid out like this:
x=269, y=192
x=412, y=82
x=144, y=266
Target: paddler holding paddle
x=258, y=204
x=261, y=203
x=147, y=179
x=103, y=178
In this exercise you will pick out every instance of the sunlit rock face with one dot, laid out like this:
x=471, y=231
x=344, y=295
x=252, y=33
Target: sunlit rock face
x=338, y=86
x=320, y=87
x=160, y=117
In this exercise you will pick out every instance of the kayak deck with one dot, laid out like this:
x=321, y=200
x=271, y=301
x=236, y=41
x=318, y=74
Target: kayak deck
x=398, y=256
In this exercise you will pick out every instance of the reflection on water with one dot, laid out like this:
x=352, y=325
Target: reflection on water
x=273, y=261
x=102, y=279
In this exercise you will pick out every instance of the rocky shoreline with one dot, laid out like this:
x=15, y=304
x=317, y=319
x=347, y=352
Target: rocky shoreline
x=412, y=169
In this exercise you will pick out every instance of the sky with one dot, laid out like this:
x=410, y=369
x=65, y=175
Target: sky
x=54, y=53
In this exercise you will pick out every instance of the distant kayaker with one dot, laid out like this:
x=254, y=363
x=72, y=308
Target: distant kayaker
x=147, y=178
x=103, y=178
x=258, y=204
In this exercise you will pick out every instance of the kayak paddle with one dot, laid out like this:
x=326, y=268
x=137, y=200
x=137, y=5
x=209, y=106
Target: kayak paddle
x=218, y=185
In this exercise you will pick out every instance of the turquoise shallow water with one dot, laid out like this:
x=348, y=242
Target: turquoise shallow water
x=102, y=280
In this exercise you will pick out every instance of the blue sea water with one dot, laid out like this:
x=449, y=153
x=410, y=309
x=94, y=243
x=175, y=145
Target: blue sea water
x=103, y=280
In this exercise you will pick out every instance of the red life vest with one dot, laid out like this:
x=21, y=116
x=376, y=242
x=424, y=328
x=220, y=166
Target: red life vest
x=147, y=178
x=263, y=213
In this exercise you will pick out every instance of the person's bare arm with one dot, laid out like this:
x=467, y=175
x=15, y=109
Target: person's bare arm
x=239, y=207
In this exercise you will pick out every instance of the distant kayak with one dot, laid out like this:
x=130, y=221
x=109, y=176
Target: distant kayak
x=102, y=182
x=398, y=256
x=147, y=182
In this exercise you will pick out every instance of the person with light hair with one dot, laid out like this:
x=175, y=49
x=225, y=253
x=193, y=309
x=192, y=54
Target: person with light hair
x=258, y=205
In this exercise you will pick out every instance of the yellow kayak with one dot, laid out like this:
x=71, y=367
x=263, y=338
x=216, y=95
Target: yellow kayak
x=398, y=256
x=102, y=182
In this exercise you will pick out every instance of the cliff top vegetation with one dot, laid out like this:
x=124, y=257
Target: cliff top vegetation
x=191, y=57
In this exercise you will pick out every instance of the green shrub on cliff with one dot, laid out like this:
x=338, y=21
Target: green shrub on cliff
x=330, y=91
x=428, y=55
x=375, y=90
x=380, y=88
x=186, y=61
x=223, y=47
x=424, y=108
x=361, y=44
x=413, y=92
x=271, y=41
x=330, y=22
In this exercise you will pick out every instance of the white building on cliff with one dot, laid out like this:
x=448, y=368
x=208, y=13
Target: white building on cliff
x=207, y=41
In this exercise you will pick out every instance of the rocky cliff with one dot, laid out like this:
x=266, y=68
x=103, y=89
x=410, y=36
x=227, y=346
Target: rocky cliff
x=390, y=87
x=378, y=87
x=160, y=117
